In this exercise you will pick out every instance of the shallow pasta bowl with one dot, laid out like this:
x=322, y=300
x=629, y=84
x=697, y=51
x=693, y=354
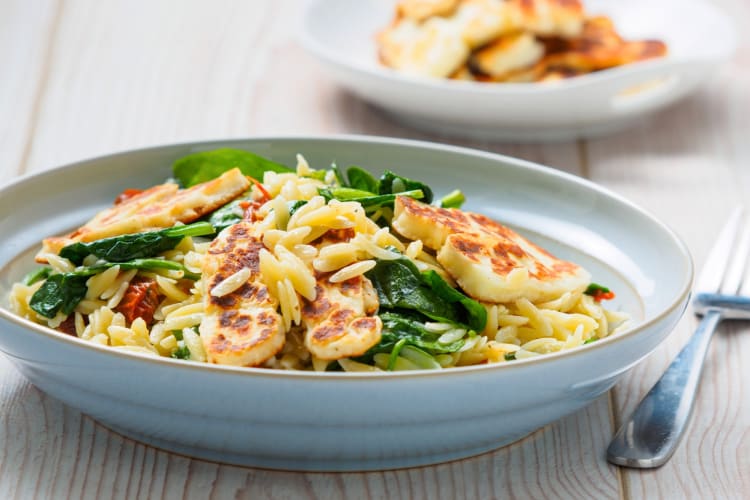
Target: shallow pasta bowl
x=350, y=421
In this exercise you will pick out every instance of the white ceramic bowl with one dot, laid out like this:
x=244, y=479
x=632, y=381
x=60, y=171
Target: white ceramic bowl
x=340, y=34
x=347, y=421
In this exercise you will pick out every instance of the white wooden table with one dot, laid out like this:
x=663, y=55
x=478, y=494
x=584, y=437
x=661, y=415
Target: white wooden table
x=80, y=78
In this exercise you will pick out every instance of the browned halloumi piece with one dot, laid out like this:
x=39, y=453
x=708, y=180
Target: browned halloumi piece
x=240, y=328
x=158, y=207
x=490, y=262
x=434, y=47
x=549, y=17
x=419, y=10
x=481, y=21
x=340, y=322
x=507, y=54
x=599, y=47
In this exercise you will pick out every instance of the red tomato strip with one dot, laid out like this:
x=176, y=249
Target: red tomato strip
x=601, y=295
x=140, y=300
x=126, y=195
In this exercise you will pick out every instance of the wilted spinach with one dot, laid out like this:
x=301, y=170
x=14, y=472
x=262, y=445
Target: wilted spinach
x=63, y=291
x=134, y=246
x=204, y=166
x=401, y=286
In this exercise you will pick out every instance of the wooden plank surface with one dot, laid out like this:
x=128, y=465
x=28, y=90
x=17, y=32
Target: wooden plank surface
x=96, y=77
x=690, y=169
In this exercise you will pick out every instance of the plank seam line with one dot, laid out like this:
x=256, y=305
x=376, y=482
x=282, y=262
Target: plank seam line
x=41, y=89
x=624, y=492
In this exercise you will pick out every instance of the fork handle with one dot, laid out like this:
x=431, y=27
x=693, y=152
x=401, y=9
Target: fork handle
x=651, y=434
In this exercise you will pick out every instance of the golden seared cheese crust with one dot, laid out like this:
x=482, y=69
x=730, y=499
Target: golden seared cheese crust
x=490, y=262
x=550, y=17
x=419, y=10
x=158, y=207
x=600, y=46
x=480, y=21
x=340, y=322
x=507, y=54
x=432, y=48
x=241, y=328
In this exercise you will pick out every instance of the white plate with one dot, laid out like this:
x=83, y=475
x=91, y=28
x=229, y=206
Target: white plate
x=350, y=421
x=340, y=34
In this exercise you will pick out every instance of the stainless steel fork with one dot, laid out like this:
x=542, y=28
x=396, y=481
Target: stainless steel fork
x=651, y=434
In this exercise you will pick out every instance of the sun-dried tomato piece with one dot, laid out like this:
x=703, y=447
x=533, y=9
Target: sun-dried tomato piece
x=126, y=195
x=68, y=326
x=140, y=300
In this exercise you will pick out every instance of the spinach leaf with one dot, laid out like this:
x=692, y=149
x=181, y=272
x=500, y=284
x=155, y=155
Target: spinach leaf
x=37, y=274
x=134, y=246
x=295, y=205
x=454, y=199
x=63, y=292
x=140, y=264
x=401, y=286
x=60, y=292
x=476, y=314
x=399, y=326
x=391, y=183
x=369, y=201
x=362, y=179
x=407, y=329
x=204, y=166
x=226, y=216
x=595, y=289
x=182, y=351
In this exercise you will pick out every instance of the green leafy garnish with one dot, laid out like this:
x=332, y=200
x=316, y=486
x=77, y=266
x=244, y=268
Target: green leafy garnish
x=401, y=286
x=182, y=352
x=134, y=246
x=37, y=274
x=228, y=215
x=63, y=291
x=394, y=354
x=510, y=356
x=60, y=292
x=401, y=326
x=204, y=166
x=592, y=339
x=595, y=289
x=361, y=179
x=360, y=186
x=369, y=201
x=391, y=183
x=454, y=199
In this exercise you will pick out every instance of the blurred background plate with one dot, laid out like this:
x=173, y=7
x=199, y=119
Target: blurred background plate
x=341, y=35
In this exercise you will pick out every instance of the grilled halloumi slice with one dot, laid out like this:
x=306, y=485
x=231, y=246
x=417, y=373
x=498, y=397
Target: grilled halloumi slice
x=242, y=327
x=158, y=207
x=433, y=48
x=419, y=10
x=599, y=46
x=507, y=54
x=481, y=21
x=340, y=322
x=490, y=262
x=549, y=17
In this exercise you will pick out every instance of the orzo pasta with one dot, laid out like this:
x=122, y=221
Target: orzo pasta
x=246, y=262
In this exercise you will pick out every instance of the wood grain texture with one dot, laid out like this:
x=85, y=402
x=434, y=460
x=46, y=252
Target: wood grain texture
x=690, y=170
x=97, y=77
x=27, y=33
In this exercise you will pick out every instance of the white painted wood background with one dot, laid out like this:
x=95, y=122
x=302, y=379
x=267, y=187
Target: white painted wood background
x=79, y=78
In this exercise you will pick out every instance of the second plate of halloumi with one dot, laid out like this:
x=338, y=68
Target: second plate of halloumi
x=436, y=64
